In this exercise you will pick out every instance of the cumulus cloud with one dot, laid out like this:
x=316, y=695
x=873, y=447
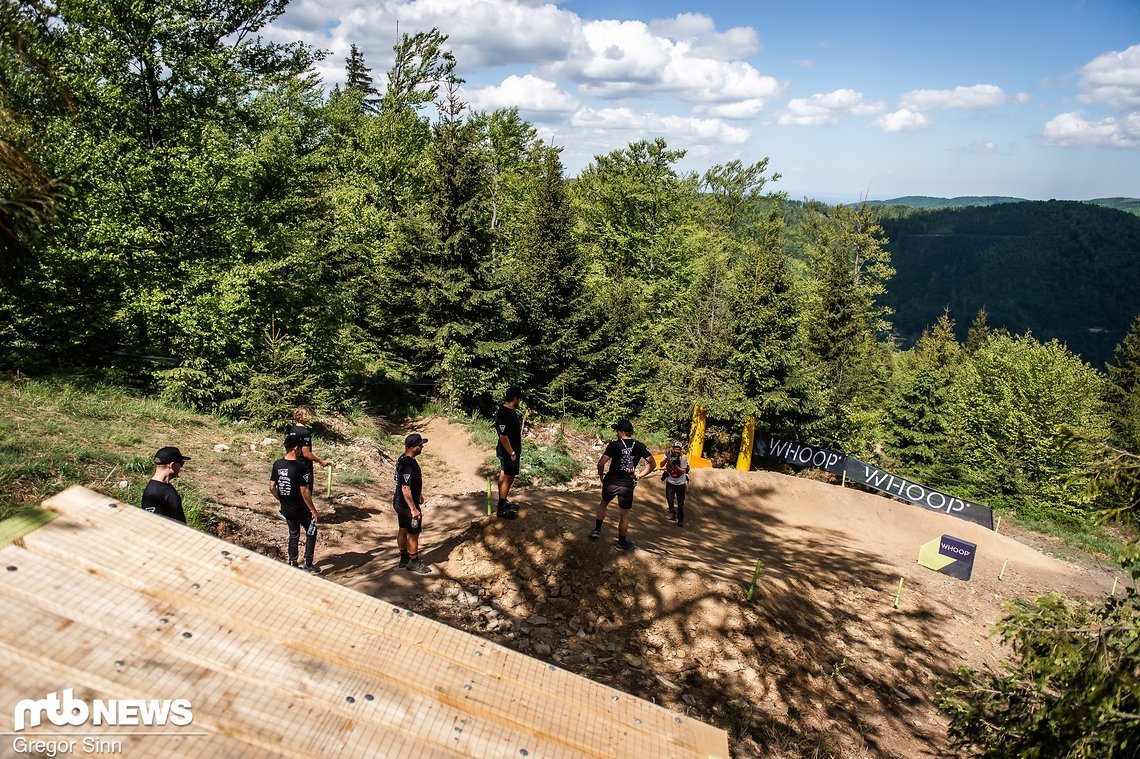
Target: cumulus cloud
x=703, y=40
x=827, y=108
x=531, y=94
x=626, y=58
x=976, y=98
x=1113, y=78
x=1071, y=129
x=673, y=128
x=902, y=120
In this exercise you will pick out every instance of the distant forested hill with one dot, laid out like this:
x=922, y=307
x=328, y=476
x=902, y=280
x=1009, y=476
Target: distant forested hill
x=926, y=202
x=1061, y=269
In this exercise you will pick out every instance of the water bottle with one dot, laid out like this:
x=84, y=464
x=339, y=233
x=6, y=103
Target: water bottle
x=312, y=529
x=415, y=523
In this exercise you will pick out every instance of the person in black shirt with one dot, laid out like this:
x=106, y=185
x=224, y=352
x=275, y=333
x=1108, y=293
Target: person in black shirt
x=508, y=425
x=159, y=496
x=289, y=481
x=623, y=455
x=302, y=415
x=407, y=502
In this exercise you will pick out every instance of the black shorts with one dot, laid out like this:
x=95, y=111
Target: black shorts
x=508, y=467
x=622, y=491
x=405, y=519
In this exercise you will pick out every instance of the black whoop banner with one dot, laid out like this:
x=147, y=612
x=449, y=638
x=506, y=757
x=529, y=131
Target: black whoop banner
x=798, y=454
x=919, y=495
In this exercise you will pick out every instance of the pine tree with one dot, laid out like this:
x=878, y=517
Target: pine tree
x=358, y=79
x=979, y=331
x=1124, y=390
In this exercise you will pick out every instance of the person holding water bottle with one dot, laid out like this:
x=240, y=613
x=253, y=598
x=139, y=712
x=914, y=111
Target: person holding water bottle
x=291, y=481
x=407, y=501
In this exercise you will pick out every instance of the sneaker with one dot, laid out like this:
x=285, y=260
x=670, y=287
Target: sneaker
x=313, y=569
x=404, y=561
x=680, y=522
x=418, y=567
x=506, y=514
x=595, y=534
x=293, y=564
x=625, y=545
x=671, y=514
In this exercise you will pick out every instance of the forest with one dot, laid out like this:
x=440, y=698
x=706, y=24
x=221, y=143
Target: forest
x=189, y=213
x=185, y=210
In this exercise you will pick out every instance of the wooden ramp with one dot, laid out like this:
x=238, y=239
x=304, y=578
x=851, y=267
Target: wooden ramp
x=116, y=603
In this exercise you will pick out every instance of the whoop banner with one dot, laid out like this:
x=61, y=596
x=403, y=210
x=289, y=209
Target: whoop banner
x=798, y=453
x=840, y=464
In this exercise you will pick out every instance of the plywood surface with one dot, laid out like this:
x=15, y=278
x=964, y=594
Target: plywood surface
x=116, y=603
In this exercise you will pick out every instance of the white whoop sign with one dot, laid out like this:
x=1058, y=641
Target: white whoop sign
x=799, y=454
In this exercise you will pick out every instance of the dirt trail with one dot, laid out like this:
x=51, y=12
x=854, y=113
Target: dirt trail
x=819, y=658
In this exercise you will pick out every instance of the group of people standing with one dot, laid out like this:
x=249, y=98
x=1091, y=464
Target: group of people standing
x=291, y=482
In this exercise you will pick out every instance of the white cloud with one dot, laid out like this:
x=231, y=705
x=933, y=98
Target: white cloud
x=704, y=41
x=975, y=98
x=625, y=58
x=1022, y=98
x=1071, y=129
x=827, y=108
x=679, y=129
x=741, y=109
x=1113, y=78
x=531, y=94
x=987, y=147
x=902, y=120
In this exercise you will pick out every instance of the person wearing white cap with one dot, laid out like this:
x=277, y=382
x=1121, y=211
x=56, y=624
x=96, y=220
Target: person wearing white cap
x=676, y=476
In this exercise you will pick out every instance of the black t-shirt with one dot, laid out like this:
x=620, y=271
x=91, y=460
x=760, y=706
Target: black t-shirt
x=509, y=423
x=624, y=458
x=290, y=476
x=161, y=498
x=407, y=473
x=306, y=436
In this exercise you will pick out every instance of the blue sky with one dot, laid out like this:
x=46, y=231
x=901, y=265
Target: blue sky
x=847, y=100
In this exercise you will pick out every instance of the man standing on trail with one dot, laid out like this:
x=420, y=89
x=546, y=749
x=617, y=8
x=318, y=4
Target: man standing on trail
x=624, y=454
x=302, y=415
x=676, y=476
x=508, y=425
x=159, y=496
x=407, y=502
x=290, y=481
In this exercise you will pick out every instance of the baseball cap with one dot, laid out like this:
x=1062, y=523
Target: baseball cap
x=169, y=455
x=411, y=441
x=624, y=426
x=292, y=440
x=678, y=444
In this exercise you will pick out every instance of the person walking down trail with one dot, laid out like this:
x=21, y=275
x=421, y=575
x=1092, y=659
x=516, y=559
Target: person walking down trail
x=302, y=416
x=408, y=501
x=159, y=496
x=623, y=456
x=291, y=483
x=676, y=476
x=508, y=425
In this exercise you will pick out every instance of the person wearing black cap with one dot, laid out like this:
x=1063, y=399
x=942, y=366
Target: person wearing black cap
x=159, y=496
x=508, y=425
x=407, y=502
x=290, y=481
x=623, y=455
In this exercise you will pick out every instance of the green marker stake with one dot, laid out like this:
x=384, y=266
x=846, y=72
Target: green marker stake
x=328, y=493
x=898, y=594
x=998, y=525
x=1113, y=593
x=488, y=496
x=1002, y=572
x=755, y=577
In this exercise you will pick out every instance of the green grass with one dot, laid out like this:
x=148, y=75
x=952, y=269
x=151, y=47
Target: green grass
x=59, y=434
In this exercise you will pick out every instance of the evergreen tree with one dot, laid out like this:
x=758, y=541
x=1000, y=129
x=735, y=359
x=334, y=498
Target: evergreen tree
x=979, y=331
x=1124, y=390
x=358, y=78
